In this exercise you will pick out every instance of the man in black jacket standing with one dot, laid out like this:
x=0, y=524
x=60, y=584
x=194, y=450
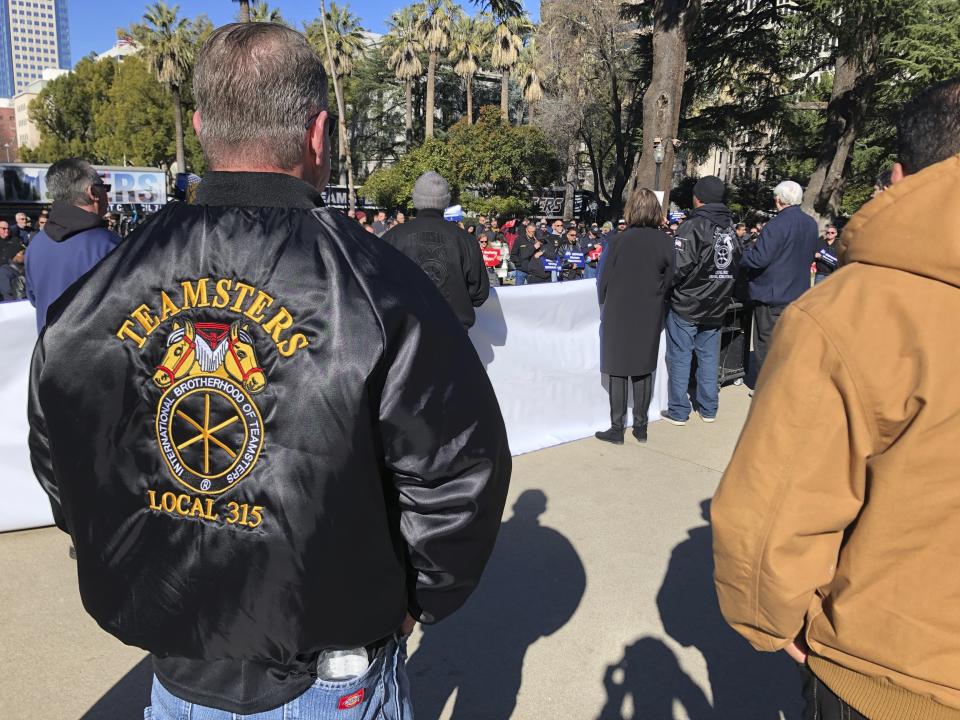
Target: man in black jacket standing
x=708, y=256
x=779, y=264
x=449, y=256
x=270, y=438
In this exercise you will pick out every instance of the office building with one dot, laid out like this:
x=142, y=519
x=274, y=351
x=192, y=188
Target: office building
x=34, y=36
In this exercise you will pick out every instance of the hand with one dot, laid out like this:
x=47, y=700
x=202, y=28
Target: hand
x=406, y=627
x=817, y=256
x=798, y=650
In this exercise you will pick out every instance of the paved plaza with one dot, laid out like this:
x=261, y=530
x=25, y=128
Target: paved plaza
x=598, y=604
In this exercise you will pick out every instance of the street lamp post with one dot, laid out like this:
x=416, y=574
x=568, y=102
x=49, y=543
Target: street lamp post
x=658, y=159
x=6, y=147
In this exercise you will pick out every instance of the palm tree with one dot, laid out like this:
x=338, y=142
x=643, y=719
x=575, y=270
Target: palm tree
x=244, y=10
x=168, y=45
x=507, y=44
x=402, y=42
x=344, y=42
x=469, y=39
x=435, y=18
x=262, y=12
x=531, y=76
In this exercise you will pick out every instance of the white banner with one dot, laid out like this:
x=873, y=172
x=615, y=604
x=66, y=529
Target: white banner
x=539, y=343
x=541, y=347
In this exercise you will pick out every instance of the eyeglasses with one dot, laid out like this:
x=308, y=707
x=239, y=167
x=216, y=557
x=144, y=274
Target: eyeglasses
x=332, y=120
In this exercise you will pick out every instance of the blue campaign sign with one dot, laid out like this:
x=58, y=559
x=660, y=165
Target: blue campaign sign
x=575, y=258
x=552, y=265
x=454, y=213
x=675, y=216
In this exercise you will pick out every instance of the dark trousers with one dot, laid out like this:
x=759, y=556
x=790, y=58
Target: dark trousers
x=642, y=394
x=764, y=321
x=822, y=703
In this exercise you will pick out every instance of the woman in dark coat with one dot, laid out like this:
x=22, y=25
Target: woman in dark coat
x=634, y=282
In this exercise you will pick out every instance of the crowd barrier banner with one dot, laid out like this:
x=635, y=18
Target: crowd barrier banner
x=539, y=343
x=541, y=347
x=24, y=504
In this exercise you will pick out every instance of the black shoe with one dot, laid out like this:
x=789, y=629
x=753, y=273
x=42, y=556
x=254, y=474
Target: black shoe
x=613, y=435
x=72, y=553
x=672, y=420
x=640, y=432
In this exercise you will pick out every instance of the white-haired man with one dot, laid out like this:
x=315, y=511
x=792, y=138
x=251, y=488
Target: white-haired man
x=779, y=263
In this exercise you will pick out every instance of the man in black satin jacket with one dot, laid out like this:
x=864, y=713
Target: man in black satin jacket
x=266, y=432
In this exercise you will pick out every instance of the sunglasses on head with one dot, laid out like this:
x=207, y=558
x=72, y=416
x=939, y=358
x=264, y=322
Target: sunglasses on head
x=332, y=120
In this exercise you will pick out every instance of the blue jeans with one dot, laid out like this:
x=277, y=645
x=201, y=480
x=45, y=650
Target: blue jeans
x=685, y=338
x=519, y=277
x=819, y=278
x=589, y=272
x=382, y=692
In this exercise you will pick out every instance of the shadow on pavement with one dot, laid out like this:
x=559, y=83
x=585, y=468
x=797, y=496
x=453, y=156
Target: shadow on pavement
x=647, y=681
x=744, y=683
x=531, y=588
x=128, y=697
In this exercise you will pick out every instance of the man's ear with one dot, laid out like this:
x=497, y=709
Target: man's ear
x=318, y=138
x=896, y=173
x=196, y=122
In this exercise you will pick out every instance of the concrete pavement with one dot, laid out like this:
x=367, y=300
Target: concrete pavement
x=598, y=604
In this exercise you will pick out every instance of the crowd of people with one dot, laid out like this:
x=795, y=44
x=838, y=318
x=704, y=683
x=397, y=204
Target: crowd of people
x=257, y=320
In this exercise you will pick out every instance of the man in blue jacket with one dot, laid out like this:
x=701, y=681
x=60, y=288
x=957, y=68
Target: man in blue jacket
x=75, y=237
x=779, y=263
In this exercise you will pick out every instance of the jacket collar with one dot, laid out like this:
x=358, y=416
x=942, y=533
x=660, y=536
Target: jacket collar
x=67, y=220
x=257, y=189
x=430, y=212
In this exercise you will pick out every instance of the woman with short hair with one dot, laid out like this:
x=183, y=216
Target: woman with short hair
x=634, y=282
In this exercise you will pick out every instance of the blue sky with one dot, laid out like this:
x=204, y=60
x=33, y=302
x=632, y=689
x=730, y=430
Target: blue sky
x=93, y=25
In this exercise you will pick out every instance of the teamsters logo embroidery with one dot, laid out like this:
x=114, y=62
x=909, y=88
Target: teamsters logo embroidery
x=208, y=426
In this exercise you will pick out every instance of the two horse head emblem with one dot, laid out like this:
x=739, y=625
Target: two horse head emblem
x=216, y=349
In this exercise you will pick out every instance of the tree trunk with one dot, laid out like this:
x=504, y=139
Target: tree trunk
x=343, y=156
x=244, y=10
x=853, y=85
x=570, y=185
x=505, y=95
x=673, y=24
x=408, y=125
x=178, y=128
x=431, y=81
x=469, y=99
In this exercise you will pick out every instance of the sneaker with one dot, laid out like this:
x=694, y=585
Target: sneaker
x=613, y=435
x=672, y=420
x=708, y=419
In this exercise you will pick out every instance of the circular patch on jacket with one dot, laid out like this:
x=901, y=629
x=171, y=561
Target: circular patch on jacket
x=210, y=432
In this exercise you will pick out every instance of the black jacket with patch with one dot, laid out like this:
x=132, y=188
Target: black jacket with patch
x=708, y=259
x=449, y=256
x=267, y=435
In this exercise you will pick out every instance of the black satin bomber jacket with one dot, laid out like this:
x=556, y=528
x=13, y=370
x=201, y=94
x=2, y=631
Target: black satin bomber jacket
x=267, y=434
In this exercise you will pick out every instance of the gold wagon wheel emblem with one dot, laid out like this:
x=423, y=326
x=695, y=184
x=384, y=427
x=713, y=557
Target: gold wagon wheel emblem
x=207, y=434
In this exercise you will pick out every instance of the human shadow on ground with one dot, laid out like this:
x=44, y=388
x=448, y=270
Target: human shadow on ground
x=531, y=588
x=744, y=683
x=647, y=681
x=490, y=330
x=128, y=697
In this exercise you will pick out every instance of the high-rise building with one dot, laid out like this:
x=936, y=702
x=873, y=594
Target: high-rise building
x=34, y=36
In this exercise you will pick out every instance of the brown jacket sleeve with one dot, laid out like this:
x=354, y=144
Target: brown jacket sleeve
x=795, y=483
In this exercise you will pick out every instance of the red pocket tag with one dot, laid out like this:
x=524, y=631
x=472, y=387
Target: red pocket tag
x=348, y=702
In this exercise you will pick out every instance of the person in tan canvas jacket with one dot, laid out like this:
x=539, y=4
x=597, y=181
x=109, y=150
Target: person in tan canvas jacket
x=837, y=523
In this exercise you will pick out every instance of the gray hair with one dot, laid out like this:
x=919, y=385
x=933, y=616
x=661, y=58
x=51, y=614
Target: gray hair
x=789, y=192
x=69, y=180
x=256, y=86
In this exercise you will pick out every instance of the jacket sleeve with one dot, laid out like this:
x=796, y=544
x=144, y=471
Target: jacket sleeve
x=686, y=245
x=761, y=254
x=795, y=483
x=478, y=282
x=445, y=450
x=41, y=457
x=605, y=267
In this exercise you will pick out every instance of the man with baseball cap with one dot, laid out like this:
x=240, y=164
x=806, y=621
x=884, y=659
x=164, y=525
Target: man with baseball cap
x=708, y=257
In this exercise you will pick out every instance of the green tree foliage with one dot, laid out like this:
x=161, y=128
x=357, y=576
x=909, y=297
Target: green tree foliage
x=490, y=159
x=65, y=111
